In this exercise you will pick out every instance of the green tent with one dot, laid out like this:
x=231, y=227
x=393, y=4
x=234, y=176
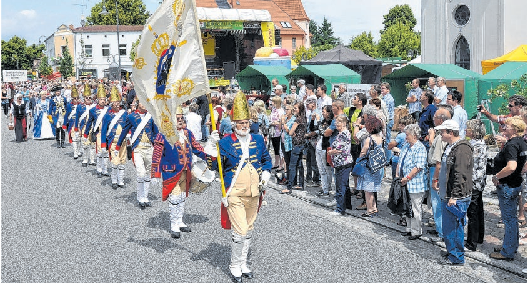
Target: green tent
x=259, y=77
x=327, y=74
x=465, y=81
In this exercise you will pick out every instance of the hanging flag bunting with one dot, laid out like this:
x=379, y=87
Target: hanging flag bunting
x=170, y=64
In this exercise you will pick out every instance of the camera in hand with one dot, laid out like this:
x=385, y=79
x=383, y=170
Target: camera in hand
x=480, y=107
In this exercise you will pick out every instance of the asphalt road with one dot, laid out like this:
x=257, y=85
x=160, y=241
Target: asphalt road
x=62, y=224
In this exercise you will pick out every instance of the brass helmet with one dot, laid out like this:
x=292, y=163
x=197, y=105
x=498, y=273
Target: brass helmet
x=101, y=92
x=179, y=110
x=87, y=90
x=240, y=109
x=114, y=95
x=74, y=92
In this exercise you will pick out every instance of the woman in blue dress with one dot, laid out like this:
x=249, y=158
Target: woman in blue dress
x=42, y=128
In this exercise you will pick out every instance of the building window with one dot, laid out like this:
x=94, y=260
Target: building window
x=462, y=53
x=63, y=49
x=88, y=51
x=122, y=49
x=462, y=15
x=293, y=42
x=106, y=50
x=286, y=24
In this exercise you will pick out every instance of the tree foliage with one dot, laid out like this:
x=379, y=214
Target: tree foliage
x=16, y=49
x=45, y=69
x=518, y=87
x=323, y=34
x=399, y=41
x=365, y=43
x=66, y=64
x=399, y=13
x=133, y=51
x=131, y=12
x=304, y=54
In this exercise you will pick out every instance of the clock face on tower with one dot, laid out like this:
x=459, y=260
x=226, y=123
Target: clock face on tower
x=462, y=15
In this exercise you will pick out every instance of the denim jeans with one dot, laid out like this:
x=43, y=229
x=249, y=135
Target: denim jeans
x=294, y=164
x=312, y=173
x=389, y=127
x=436, y=205
x=342, y=177
x=204, y=132
x=508, y=198
x=453, y=230
x=326, y=172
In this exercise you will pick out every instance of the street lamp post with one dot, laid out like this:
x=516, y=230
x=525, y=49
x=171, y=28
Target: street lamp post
x=105, y=12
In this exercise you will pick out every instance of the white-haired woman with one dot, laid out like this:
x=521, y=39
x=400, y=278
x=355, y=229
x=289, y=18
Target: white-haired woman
x=412, y=169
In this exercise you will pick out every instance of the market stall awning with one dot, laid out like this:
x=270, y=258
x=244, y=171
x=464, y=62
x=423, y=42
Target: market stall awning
x=517, y=55
x=450, y=72
x=217, y=14
x=328, y=74
x=259, y=77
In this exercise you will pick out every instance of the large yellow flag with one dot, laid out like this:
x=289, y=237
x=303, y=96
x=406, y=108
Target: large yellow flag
x=170, y=64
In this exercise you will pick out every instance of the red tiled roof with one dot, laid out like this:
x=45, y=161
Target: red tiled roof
x=206, y=3
x=109, y=28
x=293, y=8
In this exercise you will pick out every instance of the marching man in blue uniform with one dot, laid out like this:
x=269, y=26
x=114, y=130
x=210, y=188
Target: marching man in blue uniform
x=93, y=131
x=173, y=162
x=81, y=121
x=58, y=109
x=69, y=122
x=246, y=165
x=143, y=133
x=112, y=127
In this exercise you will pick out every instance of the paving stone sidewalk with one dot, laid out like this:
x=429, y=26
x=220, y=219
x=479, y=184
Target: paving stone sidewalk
x=493, y=229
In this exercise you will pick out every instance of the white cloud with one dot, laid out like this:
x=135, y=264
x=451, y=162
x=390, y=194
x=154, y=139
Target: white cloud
x=351, y=17
x=30, y=14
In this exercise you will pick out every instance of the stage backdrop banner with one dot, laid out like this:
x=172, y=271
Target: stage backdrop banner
x=170, y=64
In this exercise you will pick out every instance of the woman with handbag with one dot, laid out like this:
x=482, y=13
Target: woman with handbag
x=412, y=169
x=342, y=161
x=370, y=181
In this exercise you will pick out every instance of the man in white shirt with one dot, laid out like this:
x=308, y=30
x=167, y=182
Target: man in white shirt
x=442, y=91
x=432, y=85
x=194, y=121
x=460, y=115
x=301, y=84
x=322, y=98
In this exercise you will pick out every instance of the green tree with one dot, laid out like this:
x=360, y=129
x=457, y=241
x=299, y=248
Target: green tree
x=133, y=51
x=66, y=64
x=326, y=34
x=304, y=54
x=16, y=52
x=45, y=69
x=399, y=41
x=313, y=30
x=518, y=87
x=365, y=43
x=131, y=12
x=399, y=13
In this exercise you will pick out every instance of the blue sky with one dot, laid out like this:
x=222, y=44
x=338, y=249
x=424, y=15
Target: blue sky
x=34, y=19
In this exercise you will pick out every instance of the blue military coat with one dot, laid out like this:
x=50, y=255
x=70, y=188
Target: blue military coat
x=231, y=154
x=107, y=134
x=92, y=120
x=131, y=123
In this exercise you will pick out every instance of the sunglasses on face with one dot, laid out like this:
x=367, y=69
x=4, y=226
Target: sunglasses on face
x=510, y=105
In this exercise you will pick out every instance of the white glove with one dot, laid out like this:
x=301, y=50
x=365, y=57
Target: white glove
x=214, y=137
x=211, y=148
x=115, y=152
x=266, y=175
x=154, y=182
x=103, y=150
x=225, y=202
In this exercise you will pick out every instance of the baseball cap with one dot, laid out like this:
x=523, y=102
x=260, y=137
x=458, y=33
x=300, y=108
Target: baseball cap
x=448, y=125
x=278, y=87
x=301, y=82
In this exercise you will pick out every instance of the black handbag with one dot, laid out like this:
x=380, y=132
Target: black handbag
x=129, y=152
